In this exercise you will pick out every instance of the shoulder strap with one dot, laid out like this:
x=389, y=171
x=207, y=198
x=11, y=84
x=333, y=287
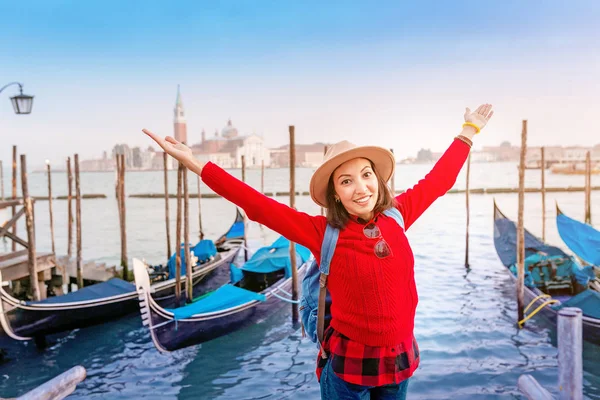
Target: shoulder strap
x=395, y=213
x=327, y=250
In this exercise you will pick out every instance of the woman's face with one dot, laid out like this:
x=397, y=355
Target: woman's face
x=356, y=187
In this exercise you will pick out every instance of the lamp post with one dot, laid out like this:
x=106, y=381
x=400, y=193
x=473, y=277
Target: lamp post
x=22, y=103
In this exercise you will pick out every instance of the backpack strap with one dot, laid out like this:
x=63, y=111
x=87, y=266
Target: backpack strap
x=395, y=213
x=327, y=250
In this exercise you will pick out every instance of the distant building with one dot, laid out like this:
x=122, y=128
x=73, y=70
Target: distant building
x=482, y=156
x=227, y=149
x=307, y=155
x=596, y=152
x=504, y=152
x=424, y=155
x=125, y=150
x=154, y=160
x=100, y=164
x=553, y=154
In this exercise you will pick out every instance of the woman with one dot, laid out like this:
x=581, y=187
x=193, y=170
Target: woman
x=369, y=347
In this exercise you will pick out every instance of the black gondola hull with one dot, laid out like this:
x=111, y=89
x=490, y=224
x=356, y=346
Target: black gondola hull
x=35, y=323
x=590, y=326
x=507, y=251
x=30, y=321
x=170, y=335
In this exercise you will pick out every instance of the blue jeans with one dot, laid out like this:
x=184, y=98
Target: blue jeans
x=335, y=388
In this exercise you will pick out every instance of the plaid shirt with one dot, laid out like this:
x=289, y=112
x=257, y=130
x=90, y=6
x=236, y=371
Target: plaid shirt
x=368, y=365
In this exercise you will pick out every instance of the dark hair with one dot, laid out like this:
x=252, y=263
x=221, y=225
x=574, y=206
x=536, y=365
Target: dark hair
x=338, y=216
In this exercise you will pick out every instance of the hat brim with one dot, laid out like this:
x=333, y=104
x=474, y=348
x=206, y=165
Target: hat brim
x=382, y=159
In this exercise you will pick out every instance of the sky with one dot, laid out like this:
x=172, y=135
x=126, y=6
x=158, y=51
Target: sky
x=397, y=74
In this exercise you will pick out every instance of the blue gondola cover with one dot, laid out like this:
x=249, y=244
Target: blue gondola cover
x=588, y=301
x=276, y=257
x=581, y=238
x=112, y=287
x=236, y=231
x=225, y=297
x=505, y=240
x=203, y=250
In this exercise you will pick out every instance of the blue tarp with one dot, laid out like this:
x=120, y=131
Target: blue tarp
x=584, y=275
x=225, y=297
x=236, y=231
x=235, y=274
x=588, y=301
x=276, y=257
x=203, y=250
x=581, y=238
x=112, y=287
x=505, y=240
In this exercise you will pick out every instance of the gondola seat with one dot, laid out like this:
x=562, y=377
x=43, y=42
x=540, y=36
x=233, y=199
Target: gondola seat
x=551, y=274
x=227, y=296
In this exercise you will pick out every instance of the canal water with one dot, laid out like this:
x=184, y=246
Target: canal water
x=465, y=321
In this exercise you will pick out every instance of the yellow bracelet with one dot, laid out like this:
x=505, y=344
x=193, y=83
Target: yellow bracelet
x=477, y=129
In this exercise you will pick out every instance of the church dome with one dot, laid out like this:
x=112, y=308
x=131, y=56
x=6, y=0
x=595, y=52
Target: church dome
x=229, y=131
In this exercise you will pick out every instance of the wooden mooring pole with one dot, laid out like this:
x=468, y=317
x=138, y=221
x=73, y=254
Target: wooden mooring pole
x=59, y=387
x=570, y=354
x=262, y=176
x=295, y=291
x=520, y=227
x=78, y=221
x=243, y=168
x=200, y=229
x=14, y=194
x=570, y=361
x=166, y=179
x=189, y=285
x=1, y=181
x=325, y=148
x=29, y=223
x=118, y=197
x=588, y=188
x=69, y=209
x=178, y=236
x=543, y=169
x=49, y=171
x=468, y=212
x=123, y=217
x=245, y=219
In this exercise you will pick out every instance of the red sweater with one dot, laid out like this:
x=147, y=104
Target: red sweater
x=373, y=300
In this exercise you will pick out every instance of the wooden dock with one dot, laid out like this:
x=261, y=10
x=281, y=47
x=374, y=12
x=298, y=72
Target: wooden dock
x=92, y=271
x=16, y=265
x=25, y=263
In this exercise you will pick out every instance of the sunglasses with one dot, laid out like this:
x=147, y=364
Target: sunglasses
x=382, y=249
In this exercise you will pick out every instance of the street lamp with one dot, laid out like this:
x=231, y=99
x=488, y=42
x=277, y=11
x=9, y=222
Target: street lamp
x=22, y=103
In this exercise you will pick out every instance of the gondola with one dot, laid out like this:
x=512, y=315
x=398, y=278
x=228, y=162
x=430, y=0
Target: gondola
x=582, y=239
x=553, y=279
x=255, y=291
x=105, y=301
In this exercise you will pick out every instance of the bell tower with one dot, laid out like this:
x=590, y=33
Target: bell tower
x=180, y=123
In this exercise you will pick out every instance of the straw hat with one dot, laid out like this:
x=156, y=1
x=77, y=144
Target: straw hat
x=341, y=152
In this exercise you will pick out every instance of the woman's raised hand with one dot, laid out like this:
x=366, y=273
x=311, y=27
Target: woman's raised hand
x=172, y=147
x=479, y=117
